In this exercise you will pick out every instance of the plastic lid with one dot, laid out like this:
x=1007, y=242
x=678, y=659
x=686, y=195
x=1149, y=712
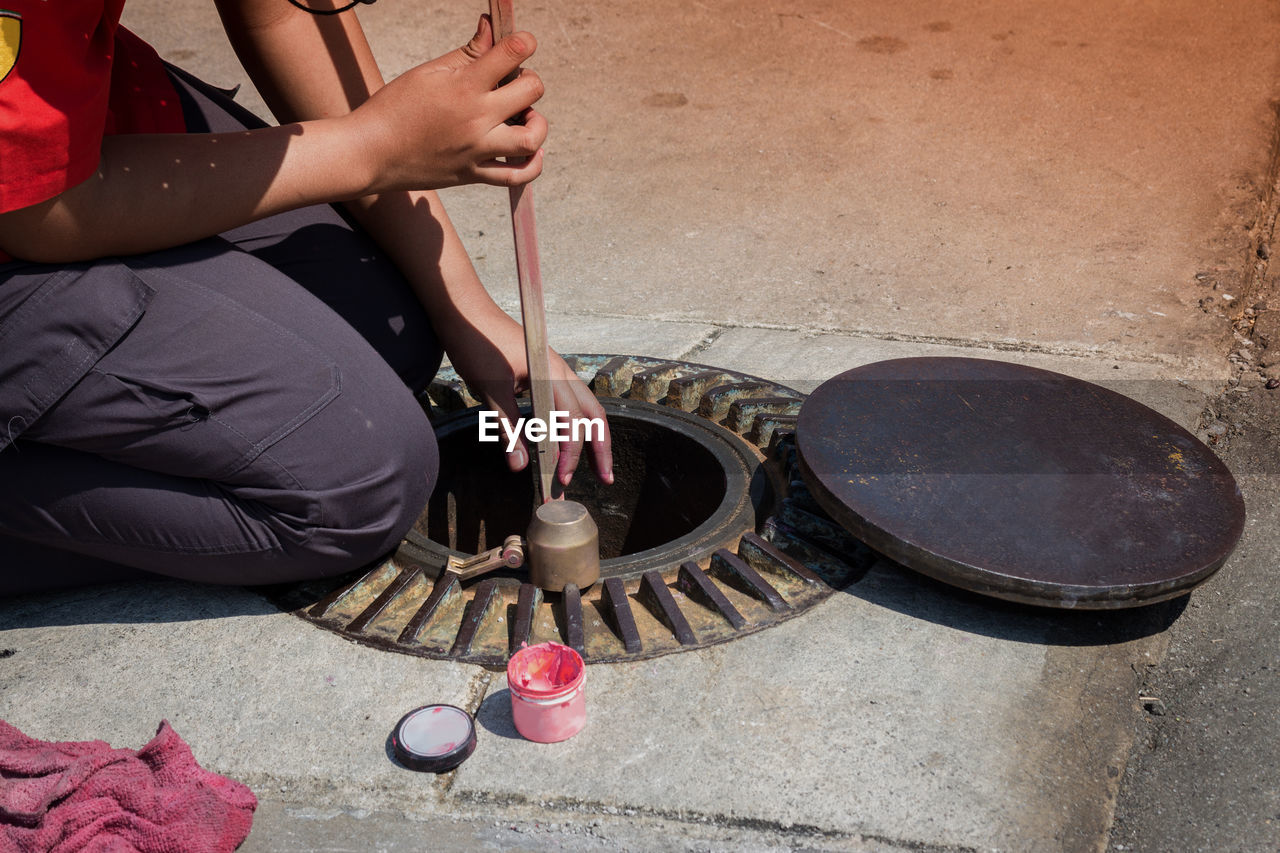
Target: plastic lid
x=434, y=738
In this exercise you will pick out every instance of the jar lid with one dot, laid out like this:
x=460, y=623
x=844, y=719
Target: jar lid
x=434, y=738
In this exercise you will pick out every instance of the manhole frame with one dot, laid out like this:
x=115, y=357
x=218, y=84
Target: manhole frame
x=794, y=558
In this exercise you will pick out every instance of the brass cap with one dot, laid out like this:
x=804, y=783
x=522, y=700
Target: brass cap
x=563, y=546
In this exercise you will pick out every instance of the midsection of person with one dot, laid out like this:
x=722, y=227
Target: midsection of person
x=174, y=288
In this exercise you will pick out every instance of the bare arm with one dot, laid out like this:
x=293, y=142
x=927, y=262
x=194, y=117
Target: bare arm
x=279, y=49
x=155, y=191
x=344, y=137
x=439, y=125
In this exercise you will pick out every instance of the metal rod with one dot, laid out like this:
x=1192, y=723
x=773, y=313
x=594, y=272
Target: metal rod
x=533, y=314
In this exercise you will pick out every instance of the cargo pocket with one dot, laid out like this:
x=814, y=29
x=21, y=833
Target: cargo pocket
x=200, y=387
x=55, y=324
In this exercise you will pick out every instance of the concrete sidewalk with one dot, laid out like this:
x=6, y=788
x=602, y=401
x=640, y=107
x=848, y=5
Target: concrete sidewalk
x=789, y=189
x=900, y=714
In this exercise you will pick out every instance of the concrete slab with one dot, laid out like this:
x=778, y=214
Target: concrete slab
x=898, y=710
x=1205, y=770
x=904, y=166
x=803, y=360
x=259, y=695
x=624, y=335
x=280, y=828
x=1055, y=175
x=575, y=333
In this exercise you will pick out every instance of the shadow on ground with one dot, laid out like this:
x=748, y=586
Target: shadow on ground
x=921, y=597
x=494, y=715
x=132, y=602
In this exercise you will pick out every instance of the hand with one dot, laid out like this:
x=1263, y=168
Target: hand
x=443, y=123
x=491, y=360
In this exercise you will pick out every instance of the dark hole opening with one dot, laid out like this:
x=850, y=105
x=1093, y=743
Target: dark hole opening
x=666, y=484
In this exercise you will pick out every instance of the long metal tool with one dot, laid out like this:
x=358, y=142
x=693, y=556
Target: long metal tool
x=532, y=311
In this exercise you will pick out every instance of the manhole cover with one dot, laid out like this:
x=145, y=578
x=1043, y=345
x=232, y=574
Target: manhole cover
x=708, y=533
x=1019, y=483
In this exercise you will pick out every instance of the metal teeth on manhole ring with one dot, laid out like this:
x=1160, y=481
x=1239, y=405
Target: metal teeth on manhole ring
x=708, y=533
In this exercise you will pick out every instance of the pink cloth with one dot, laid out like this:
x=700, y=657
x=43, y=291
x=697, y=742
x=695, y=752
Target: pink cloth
x=86, y=796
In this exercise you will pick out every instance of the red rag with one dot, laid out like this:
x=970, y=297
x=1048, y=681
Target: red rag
x=87, y=796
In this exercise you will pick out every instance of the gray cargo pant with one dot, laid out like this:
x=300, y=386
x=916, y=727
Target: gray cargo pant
x=238, y=410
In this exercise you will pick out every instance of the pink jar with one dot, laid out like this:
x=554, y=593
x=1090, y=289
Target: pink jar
x=547, y=699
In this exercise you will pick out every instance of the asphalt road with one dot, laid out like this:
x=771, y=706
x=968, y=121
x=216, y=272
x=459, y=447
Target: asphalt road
x=1205, y=770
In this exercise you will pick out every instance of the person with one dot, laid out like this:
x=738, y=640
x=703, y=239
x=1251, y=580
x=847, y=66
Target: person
x=212, y=330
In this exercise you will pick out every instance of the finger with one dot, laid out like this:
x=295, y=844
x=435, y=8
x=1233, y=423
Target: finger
x=520, y=94
x=505, y=57
x=480, y=44
x=482, y=41
x=602, y=450
x=509, y=415
x=499, y=174
x=536, y=124
x=579, y=400
x=570, y=453
x=571, y=450
x=507, y=140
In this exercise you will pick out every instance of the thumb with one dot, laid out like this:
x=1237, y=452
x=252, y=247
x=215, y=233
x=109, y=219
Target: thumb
x=501, y=64
x=479, y=45
x=482, y=40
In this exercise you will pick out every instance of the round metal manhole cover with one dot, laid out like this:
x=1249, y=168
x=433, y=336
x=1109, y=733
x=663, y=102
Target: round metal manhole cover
x=1019, y=483
x=707, y=534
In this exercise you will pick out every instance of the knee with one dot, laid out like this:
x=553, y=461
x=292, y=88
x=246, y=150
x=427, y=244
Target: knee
x=379, y=484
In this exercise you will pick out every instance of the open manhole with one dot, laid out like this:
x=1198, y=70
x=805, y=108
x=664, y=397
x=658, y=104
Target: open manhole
x=707, y=534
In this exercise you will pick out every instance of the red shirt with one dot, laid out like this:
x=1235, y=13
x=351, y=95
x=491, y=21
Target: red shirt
x=69, y=75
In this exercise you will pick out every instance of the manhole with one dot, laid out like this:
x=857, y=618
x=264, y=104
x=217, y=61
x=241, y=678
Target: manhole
x=708, y=533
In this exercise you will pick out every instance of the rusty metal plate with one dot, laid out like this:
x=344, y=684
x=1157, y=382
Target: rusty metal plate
x=1017, y=482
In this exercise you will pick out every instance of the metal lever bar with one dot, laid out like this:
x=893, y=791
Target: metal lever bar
x=509, y=555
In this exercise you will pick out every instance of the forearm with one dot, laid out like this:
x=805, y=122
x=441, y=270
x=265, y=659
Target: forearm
x=155, y=191
x=414, y=230
x=439, y=124
x=278, y=47
x=304, y=66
